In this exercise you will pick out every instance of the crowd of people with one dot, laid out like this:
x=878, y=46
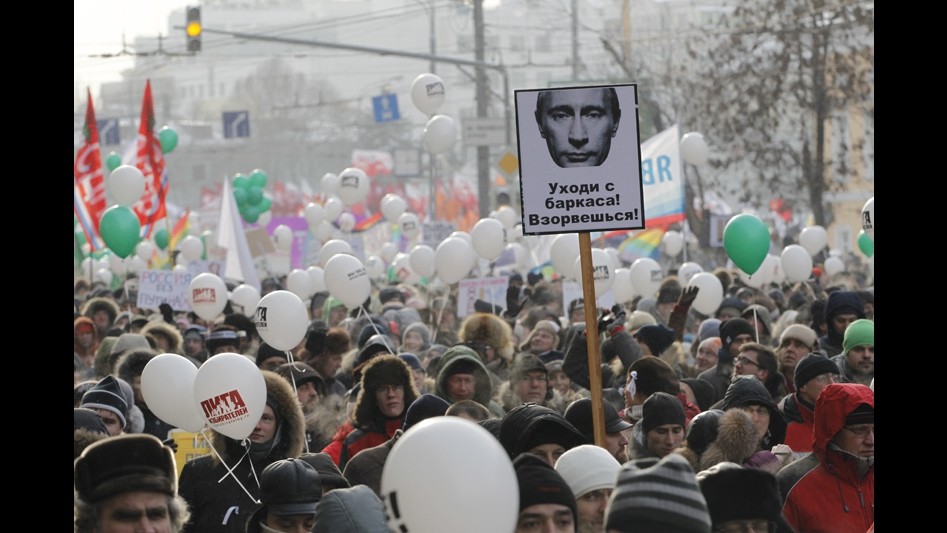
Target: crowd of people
x=759, y=417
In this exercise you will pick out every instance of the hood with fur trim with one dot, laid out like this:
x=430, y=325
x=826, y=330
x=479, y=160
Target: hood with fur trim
x=382, y=370
x=132, y=363
x=101, y=302
x=736, y=440
x=292, y=426
x=457, y=353
x=169, y=331
x=491, y=330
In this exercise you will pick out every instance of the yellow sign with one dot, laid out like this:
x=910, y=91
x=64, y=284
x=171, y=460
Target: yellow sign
x=509, y=163
x=189, y=446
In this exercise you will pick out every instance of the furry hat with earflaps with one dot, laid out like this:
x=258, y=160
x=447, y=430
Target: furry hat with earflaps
x=491, y=330
x=97, y=303
x=736, y=439
x=168, y=331
x=382, y=370
x=125, y=463
x=736, y=493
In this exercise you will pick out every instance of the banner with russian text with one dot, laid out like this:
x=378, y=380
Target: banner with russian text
x=150, y=160
x=89, y=182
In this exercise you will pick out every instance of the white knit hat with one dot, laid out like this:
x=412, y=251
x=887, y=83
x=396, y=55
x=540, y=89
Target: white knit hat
x=588, y=467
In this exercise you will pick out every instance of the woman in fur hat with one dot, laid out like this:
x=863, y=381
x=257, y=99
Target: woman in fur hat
x=221, y=500
x=103, y=310
x=168, y=338
x=386, y=390
x=497, y=335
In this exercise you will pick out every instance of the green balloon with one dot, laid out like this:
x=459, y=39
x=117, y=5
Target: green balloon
x=865, y=244
x=258, y=178
x=80, y=236
x=120, y=230
x=168, y=138
x=161, y=238
x=251, y=214
x=746, y=240
x=240, y=195
x=254, y=195
x=264, y=204
x=241, y=182
x=113, y=161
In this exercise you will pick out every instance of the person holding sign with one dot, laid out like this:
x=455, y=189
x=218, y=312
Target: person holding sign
x=578, y=124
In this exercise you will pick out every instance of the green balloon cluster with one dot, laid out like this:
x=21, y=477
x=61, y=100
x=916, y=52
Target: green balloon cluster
x=248, y=193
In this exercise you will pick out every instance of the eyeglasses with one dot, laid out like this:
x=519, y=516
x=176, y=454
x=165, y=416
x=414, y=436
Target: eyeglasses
x=389, y=388
x=861, y=431
x=826, y=378
x=534, y=379
x=744, y=360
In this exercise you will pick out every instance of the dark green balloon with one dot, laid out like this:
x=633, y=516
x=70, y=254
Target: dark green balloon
x=161, y=238
x=254, y=195
x=251, y=214
x=168, y=138
x=113, y=161
x=120, y=230
x=240, y=195
x=265, y=204
x=258, y=178
x=241, y=182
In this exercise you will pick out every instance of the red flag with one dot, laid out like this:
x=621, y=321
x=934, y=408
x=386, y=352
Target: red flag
x=150, y=160
x=89, y=187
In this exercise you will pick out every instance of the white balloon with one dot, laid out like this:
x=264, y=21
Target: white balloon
x=442, y=461
x=833, y=266
x=563, y=251
x=135, y=264
x=462, y=235
x=314, y=214
x=191, y=248
x=687, y=270
x=145, y=249
x=324, y=231
x=207, y=295
x=392, y=206
x=507, y=215
x=440, y=134
x=646, y=276
x=622, y=287
x=353, y=186
x=231, y=392
x=247, y=297
x=331, y=248
x=603, y=276
x=453, y=259
x=489, y=238
x=264, y=219
x=116, y=264
x=317, y=282
x=347, y=280
x=694, y=148
x=332, y=209
x=346, y=222
x=104, y=275
x=167, y=385
x=868, y=218
x=179, y=268
x=796, y=262
x=375, y=266
x=427, y=93
x=283, y=238
x=709, y=294
x=410, y=225
x=126, y=184
x=813, y=239
x=757, y=280
x=299, y=283
x=281, y=318
x=403, y=270
x=422, y=260
x=672, y=242
x=330, y=183
x=388, y=252
x=613, y=255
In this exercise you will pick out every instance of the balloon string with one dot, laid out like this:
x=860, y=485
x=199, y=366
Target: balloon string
x=361, y=310
x=230, y=471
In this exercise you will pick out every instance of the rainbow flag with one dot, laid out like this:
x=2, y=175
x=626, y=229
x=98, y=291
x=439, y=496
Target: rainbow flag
x=180, y=230
x=643, y=243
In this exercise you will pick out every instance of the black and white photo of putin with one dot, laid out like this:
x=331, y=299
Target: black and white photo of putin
x=578, y=124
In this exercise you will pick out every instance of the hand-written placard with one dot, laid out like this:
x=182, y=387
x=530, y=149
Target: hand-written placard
x=492, y=290
x=156, y=287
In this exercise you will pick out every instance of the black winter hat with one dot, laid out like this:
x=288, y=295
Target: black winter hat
x=426, y=406
x=265, y=351
x=540, y=483
x=810, y=366
x=704, y=392
x=529, y=424
x=107, y=394
x=661, y=408
x=669, y=291
x=290, y=487
x=703, y=430
x=125, y=463
x=373, y=346
x=329, y=472
x=83, y=418
x=730, y=328
x=657, y=337
x=736, y=493
x=653, y=374
x=390, y=293
x=579, y=414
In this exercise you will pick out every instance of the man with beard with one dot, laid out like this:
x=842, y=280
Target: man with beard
x=310, y=388
x=856, y=363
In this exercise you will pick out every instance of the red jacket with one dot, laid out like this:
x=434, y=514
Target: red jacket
x=824, y=491
x=799, y=422
x=355, y=441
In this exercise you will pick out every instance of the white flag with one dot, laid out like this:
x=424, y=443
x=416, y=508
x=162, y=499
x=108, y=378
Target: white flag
x=230, y=235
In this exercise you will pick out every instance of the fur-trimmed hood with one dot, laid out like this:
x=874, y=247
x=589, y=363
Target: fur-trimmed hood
x=457, y=353
x=736, y=440
x=101, y=302
x=292, y=426
x=381, y=370
x=491, y=330
x=170, y=331
x=132, y=363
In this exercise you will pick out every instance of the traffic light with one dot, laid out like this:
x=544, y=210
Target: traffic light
x=193, y=29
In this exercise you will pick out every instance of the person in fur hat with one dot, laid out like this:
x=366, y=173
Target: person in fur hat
x=103, y=311
x=543, y=340
x=748, y=393
x=497, y=337
x=88, y=428
x=130, y=367
x=461, y=375
x=168, y=338
x=717, y=436
x=742, y=499
x=841, y=309
x=386, y=390
x=529, y=382
x=221, y=488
